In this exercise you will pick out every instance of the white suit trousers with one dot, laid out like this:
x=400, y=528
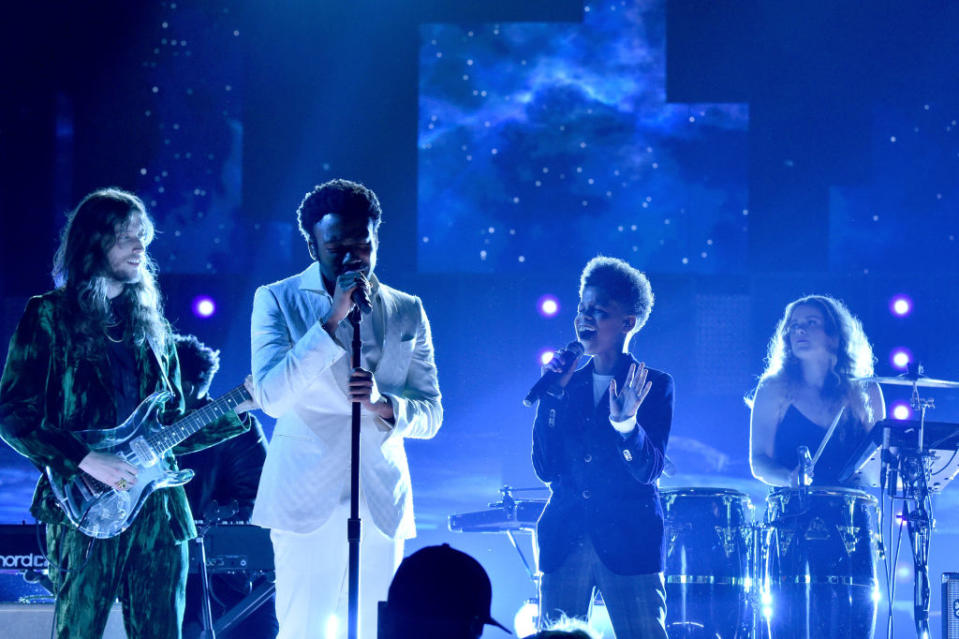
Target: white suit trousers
x=312, y=574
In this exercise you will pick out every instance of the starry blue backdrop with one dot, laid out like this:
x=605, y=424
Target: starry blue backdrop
x=548, y=143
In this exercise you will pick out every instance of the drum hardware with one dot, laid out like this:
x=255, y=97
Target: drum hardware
x=728, y=537
x=916, y=379
x=911, y=469
x=805, y=466
x=829, y=580
x=508, y=515
x=674, y=532
x=709, y=579
x=667, y=498
x=850, y=537
x=508, y=504
x=914, y=469
x=787, y=536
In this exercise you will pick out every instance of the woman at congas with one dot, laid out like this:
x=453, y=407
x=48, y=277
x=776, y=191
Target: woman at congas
x=818, y=555
x=816, y=353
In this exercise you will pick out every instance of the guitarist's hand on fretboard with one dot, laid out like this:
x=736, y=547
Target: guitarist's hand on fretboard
x=249, y=404
x=109, y=469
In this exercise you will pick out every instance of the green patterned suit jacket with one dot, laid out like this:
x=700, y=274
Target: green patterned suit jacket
x=46, y=395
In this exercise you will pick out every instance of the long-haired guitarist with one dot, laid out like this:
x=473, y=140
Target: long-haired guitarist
x=82, y=358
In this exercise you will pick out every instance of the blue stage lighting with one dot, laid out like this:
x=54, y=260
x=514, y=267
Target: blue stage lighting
x=545, y=356
x=332, y=627
x=203, y=306
x=900, y=358
x=901, y=411
x=900, y=305
x=526, y=618
x=548, y=306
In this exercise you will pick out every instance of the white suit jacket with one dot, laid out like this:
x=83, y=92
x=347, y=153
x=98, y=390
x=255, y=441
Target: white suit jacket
x=300, y=377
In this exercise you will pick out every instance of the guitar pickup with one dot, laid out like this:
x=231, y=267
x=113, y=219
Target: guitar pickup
x=144, y=452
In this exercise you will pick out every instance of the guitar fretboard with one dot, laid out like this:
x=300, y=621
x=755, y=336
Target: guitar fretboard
x=165, y=439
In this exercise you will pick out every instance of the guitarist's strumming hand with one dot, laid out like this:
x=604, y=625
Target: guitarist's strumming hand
x=249, y=404
x=109, y=469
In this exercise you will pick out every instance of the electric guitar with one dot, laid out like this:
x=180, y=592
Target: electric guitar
x=101, y=511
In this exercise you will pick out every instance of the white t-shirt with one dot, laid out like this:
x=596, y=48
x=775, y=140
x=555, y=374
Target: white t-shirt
x=600, y=386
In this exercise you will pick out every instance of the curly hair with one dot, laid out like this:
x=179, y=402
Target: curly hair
x=854, y=356
x=344, y=197
x=198, y=362
x=566, y=628
x=627, y=285
x=80, y=263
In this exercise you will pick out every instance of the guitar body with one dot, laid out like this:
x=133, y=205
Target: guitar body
x=102, y=511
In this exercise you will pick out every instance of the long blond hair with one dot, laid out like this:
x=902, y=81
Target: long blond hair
x=78, y=272
x=854, y=356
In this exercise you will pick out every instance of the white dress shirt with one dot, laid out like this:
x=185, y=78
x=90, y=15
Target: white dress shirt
x=300, y=376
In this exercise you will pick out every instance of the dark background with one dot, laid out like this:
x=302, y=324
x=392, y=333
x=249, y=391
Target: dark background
x=221, y=115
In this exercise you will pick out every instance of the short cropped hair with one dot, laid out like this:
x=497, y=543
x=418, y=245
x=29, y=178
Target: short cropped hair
x=347, y=198
x=627, y=285
x=198, y=362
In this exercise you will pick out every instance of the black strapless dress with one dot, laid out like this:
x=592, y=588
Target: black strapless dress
x=797, y=430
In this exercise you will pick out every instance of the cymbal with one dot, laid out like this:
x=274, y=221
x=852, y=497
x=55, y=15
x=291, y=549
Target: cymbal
x=910, y=380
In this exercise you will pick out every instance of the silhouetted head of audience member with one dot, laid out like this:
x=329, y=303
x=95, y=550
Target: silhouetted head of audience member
x=566, y=628
x=438, y=591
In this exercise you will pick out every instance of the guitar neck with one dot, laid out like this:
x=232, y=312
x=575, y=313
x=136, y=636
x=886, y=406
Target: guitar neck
x=169, y=436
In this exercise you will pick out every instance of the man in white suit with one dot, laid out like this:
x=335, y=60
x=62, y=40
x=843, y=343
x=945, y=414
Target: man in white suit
x=303, y=377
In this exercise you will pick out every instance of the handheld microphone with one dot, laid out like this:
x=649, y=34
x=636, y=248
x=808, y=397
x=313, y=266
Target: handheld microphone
x=362, y=301
x=572, y=352
x=359, y=297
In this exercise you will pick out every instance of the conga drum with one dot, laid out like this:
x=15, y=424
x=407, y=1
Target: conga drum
x=819, y=564
x=708, y=542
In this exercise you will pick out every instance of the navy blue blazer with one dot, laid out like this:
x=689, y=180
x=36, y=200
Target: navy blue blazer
x=602, y=484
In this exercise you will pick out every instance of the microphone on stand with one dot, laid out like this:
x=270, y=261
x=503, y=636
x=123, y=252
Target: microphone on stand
x=359, y=297
x=361, y=300
x=569, y=355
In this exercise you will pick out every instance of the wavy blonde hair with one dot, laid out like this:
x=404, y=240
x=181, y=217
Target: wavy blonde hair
x=79, y=266
x=853, y=357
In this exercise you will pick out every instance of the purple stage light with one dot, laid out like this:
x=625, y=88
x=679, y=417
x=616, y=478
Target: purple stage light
x=900, y=358
x=203, y=306
x=901, y=411
x=900, y=305
x=548, y=306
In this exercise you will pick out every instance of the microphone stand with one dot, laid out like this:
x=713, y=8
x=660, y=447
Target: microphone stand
x=353, y=525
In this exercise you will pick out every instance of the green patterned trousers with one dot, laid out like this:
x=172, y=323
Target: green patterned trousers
x=143, y=566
